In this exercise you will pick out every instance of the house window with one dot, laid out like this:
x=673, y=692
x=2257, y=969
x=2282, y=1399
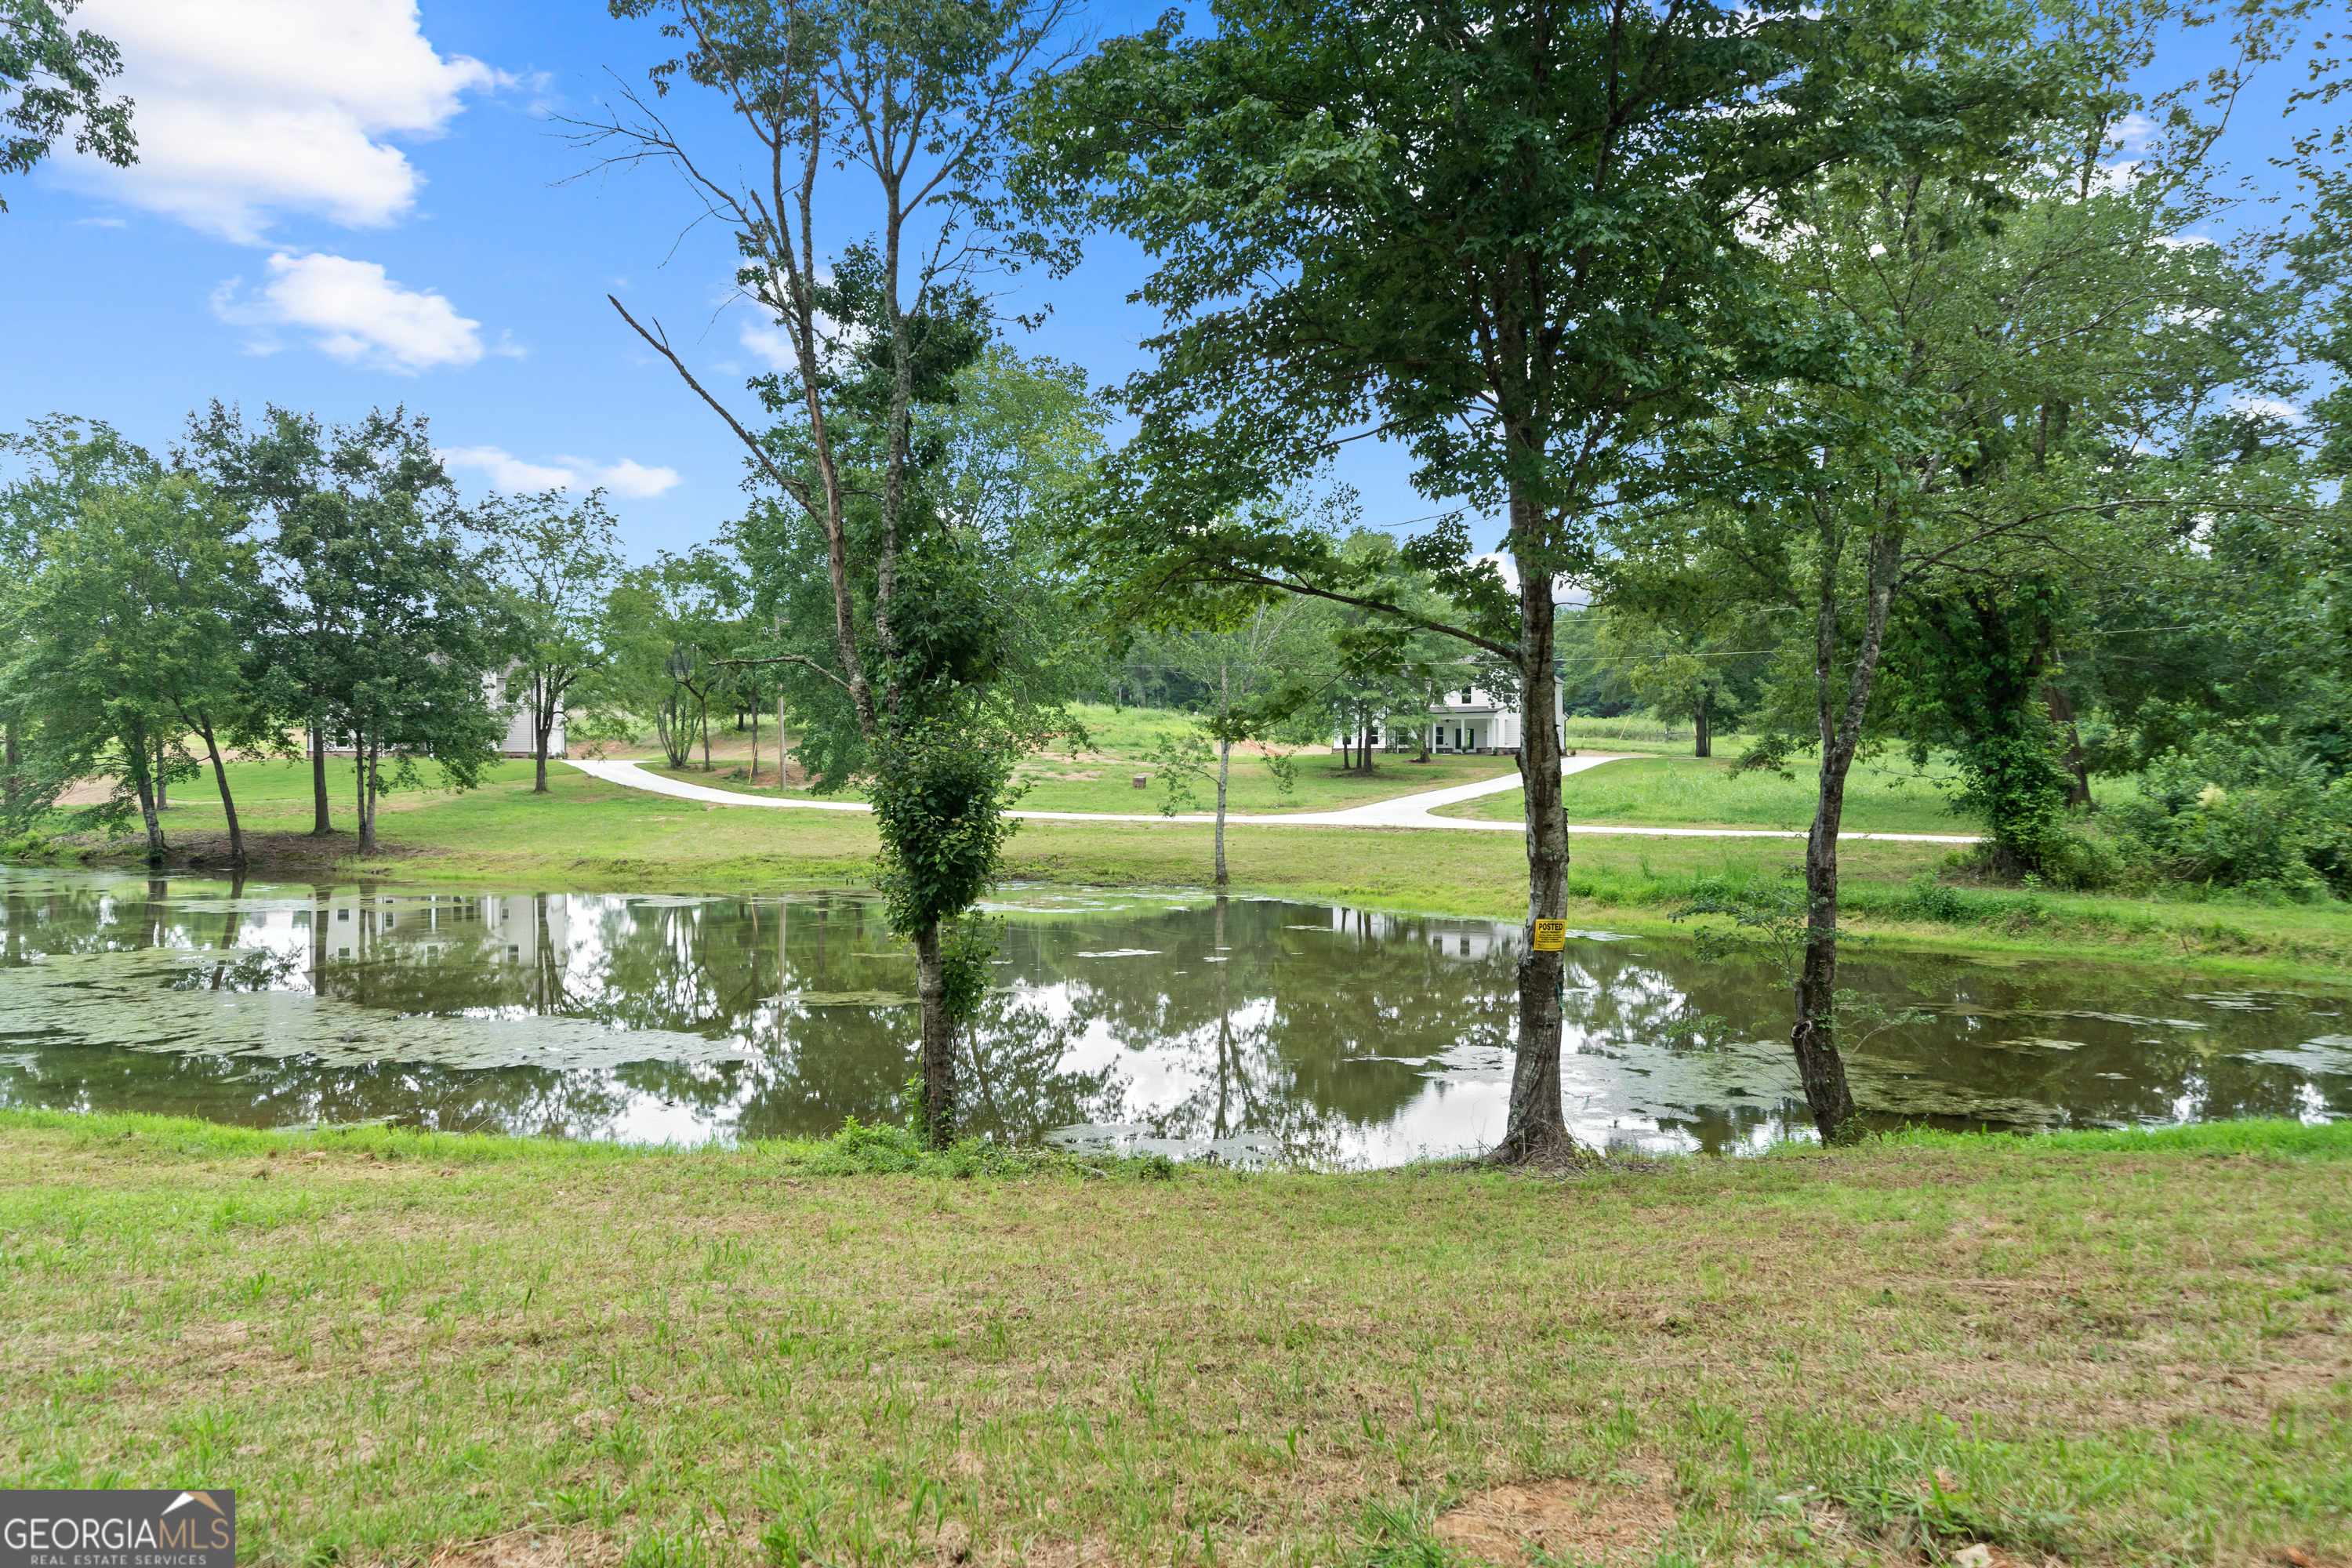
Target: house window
x=1374, y=736
x=1457, y=737
x=1465, y=694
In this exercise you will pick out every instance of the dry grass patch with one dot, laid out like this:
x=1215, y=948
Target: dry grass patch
x=1621, y=1520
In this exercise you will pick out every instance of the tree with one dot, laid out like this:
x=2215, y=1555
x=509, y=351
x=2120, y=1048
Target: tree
x=419, y=636
x=314, y=497
x=2011, y=332
x=559, y=561
x=130, y=629
x=53, y=75
x=1245, y=653
x=64, y=462
x=1686, y=642
x=910, y=99
x=1523, y=242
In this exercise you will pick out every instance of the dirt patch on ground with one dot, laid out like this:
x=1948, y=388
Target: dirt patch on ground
x=1566, y=1519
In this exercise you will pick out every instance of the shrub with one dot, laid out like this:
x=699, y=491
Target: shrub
x=2229, y=813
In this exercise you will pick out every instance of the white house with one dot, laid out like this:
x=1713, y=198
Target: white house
x=519, y=741
x=1468, y=718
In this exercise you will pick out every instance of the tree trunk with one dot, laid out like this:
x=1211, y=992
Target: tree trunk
x=2078, y=771
x=1820, y=1063
x=1813, y=1037
x=936, y=1117
x=1538, y=1124
x=134, y=751
x=163, y=777
x=321, y=823
x=1704, y=746
x=542, y=723
x=361, y=802
x=228, y=801
x=781, y=758
x=702, y=721
x=1224, y=774
x=374, y=789
x=755, y=742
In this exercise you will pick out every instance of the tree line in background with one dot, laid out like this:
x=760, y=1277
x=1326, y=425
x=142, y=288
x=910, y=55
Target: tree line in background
x=282, y=588
x=1835, y=356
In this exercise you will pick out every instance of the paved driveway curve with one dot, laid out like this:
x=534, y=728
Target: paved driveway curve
x=1409, y=811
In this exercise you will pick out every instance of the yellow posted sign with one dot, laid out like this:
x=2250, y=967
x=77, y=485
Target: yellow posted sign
x=1551, y=936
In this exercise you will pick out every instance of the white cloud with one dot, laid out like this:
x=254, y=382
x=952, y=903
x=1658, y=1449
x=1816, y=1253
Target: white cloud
x=506, y=471
x=2276, y=408
x=2132, y=132
x=353, y=311
x=247, y=109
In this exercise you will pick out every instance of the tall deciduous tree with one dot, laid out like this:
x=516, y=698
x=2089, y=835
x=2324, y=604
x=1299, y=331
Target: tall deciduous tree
x=131, y=630
x=2016, y=330
x=1522, y=239
x=894, y=111
x=1246, y=653
x=559, y=559
x=62, y=462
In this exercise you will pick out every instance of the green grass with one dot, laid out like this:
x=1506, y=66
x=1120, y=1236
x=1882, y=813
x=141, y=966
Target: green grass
x=589, y=834
x=1884, y=794
x=1636, y=732
x=2104, y=1349
x=1098, y=771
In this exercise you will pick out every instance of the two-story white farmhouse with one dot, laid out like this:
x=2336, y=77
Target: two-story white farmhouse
x=1466, y=717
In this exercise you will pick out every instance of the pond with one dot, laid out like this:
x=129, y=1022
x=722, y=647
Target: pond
x=1251, y=1029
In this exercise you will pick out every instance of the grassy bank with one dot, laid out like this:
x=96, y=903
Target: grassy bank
x=2097, y=1349
x=586, y=834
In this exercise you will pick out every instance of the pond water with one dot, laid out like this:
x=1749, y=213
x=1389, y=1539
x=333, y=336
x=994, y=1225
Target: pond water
x=1251, y=1029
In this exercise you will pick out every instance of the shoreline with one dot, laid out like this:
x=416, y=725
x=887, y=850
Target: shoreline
x=1994, y=924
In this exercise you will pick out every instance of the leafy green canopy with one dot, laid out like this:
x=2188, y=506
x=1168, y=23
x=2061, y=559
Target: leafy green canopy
x=1521, y=240
x=52, y=76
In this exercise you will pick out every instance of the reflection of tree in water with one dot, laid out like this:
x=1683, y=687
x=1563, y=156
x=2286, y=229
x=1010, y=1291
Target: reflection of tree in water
x=265, y=1093
x=1311, y=1037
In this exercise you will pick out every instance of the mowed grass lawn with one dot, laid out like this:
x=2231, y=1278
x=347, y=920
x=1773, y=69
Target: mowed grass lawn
x=1092, y=783
x=1097, y=772
x=588, y=835
x=1884, y=794
x=2104, y=1349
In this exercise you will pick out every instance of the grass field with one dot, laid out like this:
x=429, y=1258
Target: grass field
x=1884, y=794
x=2104, y=1349
x=1097, y=772
x=589, y=834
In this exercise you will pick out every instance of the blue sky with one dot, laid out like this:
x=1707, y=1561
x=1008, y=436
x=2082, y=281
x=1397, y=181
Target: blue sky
x=347, y=203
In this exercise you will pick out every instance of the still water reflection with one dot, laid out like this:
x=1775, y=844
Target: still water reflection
x=1253, y=1028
